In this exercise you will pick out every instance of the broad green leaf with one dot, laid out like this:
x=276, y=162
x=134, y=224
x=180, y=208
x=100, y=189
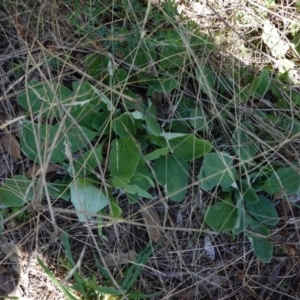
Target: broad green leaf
x=151, y=121
x=124, y=157
x=172, y=174
x=44, y=99
x=248, y=194
x=189, y=147
x=206, y=79
x=198, y=119
x=243, y=144
x=217, y=169
x=86, y=163
x=39, y=138
x=124, y=126
x=87, y=198
x=263, y=248
x=16, y=191
x=156, y=154
x=287, y=179
x=221, y=216
x=263, y=211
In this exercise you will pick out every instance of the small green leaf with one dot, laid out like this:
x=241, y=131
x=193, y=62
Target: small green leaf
x=263, y=211
x=101, y=122
x=59, y=189
x=129, y=188
x=221, y=216
x=87, y=199
x=241, y=220
x=16, y=191
x=198, y=119
x=286, y=179
x=165, y=84
x=261, y=84
x=206, y=79
x=156, y=154
x=170, y=57
x=124, y=126
x=262, y=247
x=248, y=193
x=243, y=144
x=86, y=163
x=115, y=210
x=151, y=121
x=124, y=157
x=189, y=147
x=172, y=174
x=217, y=169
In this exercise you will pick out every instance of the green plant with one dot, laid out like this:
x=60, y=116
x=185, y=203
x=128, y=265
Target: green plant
x=88, y=287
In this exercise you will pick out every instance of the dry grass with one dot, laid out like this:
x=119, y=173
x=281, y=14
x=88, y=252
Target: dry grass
x=35, y=34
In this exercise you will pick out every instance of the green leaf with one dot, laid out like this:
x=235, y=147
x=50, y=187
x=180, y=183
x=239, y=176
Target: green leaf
x=241, y=220
x=217, y=169
x=124, y=126
x=189, y=147
x=59, y=189
x=263, y=248
x=172, y=174
x=243, y=144
x=286, y=179
x=39, y=138
x=62, y=288
x=164, y=84
x=296, y=43
x=86, y=163
x=44, y=99
x=198, y=119
x=16, y=191
x=124, y=157
x=263, y=211
x=136, y=268
x=151, y=121
x=261, y=84
x=131, y=189
x=221, y=216
x=206, y=79
x=156, y=154
x=248, y=194
x=115, y=210
x=171, y=57
x=102, y=122
x=87, y=199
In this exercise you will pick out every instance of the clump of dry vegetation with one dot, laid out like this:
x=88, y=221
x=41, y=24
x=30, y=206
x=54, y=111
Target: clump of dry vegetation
x=149, y=150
